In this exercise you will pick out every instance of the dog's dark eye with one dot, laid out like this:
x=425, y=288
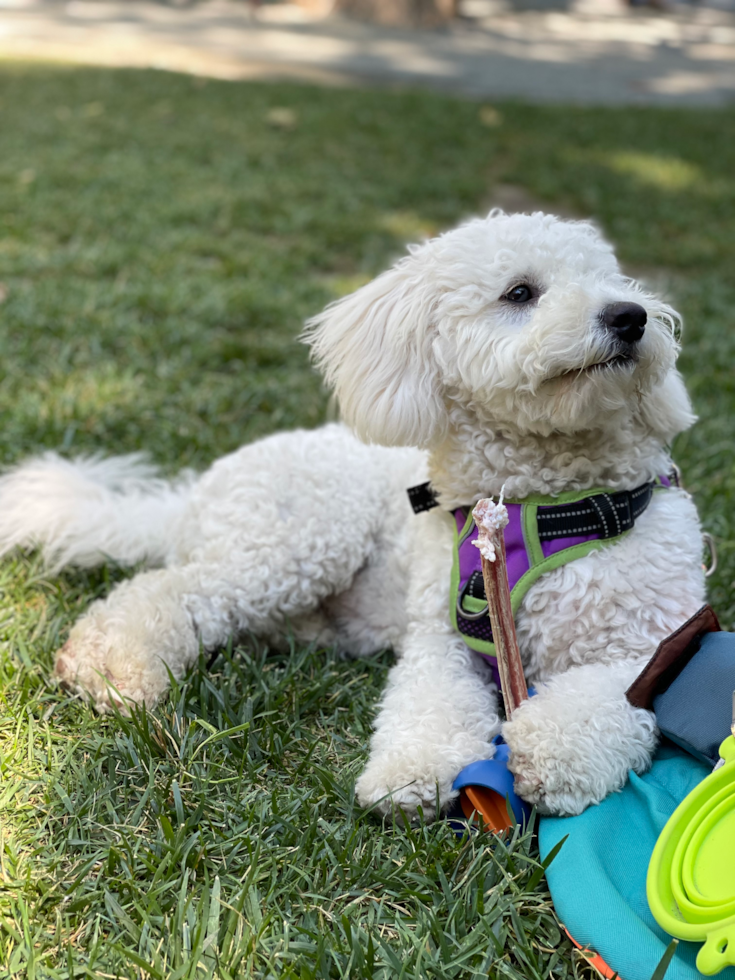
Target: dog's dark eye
x=521, y=293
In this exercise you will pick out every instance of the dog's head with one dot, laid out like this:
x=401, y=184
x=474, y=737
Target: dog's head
x=524, y=320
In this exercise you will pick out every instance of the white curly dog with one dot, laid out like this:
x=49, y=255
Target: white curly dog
x=510, y=352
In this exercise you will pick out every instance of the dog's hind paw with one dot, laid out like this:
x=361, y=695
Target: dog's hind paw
x=108, y=666
x=83, y=672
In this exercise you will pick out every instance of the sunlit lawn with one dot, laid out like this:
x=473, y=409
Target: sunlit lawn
x=162, y=240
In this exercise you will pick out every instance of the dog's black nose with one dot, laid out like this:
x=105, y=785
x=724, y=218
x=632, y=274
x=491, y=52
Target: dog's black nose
x=627, y=320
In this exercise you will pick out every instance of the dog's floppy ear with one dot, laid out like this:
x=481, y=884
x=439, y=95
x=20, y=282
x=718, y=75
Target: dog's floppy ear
x=374, y=349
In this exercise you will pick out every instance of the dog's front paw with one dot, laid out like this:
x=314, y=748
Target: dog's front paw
x=567, y=754
x=392, y=784
x=109, y=665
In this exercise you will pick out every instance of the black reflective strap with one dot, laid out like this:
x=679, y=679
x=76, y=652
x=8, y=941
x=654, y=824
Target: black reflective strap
x=604, y=514
x=640, y=499
x=422, y=497
x=475, y=586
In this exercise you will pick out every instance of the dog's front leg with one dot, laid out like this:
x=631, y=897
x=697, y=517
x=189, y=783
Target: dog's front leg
x=439, y=710
x=438, y=714
x=577, y=739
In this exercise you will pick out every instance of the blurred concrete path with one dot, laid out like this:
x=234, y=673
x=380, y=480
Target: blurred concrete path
x=596, y=52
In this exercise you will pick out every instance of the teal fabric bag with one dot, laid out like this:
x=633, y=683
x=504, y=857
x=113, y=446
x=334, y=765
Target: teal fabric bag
x=598, y=879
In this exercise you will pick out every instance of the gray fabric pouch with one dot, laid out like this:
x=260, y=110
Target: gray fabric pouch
x=695, y=710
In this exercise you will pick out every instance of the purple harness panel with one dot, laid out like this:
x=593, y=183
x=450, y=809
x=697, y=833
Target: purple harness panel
x=470, y=559
x=615, y=514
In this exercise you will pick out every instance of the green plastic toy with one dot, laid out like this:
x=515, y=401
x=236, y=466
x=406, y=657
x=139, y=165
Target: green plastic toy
x=691, y=877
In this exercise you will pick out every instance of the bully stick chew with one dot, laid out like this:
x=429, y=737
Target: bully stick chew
x=490, y=519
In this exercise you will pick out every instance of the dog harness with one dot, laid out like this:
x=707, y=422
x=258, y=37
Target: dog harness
x=543, y=533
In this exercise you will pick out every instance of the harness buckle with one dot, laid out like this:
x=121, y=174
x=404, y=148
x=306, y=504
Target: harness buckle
x=609, y=520
x=463, y=612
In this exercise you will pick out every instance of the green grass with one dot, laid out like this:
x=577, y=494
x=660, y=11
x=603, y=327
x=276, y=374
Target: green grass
x=161, y=243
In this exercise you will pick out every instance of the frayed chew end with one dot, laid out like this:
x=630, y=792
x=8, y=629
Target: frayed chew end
x=490, y=519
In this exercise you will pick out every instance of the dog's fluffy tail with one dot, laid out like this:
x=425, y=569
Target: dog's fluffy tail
x=84, y=511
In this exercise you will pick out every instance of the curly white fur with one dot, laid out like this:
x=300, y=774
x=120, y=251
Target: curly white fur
x=311, y=531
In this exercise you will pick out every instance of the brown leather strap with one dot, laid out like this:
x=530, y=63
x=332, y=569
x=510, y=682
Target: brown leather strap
x=673, y=654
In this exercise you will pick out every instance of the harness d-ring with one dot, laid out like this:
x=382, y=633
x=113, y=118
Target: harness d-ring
x=712, y=547
x=462, y=612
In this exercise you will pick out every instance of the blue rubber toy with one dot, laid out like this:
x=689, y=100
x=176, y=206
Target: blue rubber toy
x=486, y=787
